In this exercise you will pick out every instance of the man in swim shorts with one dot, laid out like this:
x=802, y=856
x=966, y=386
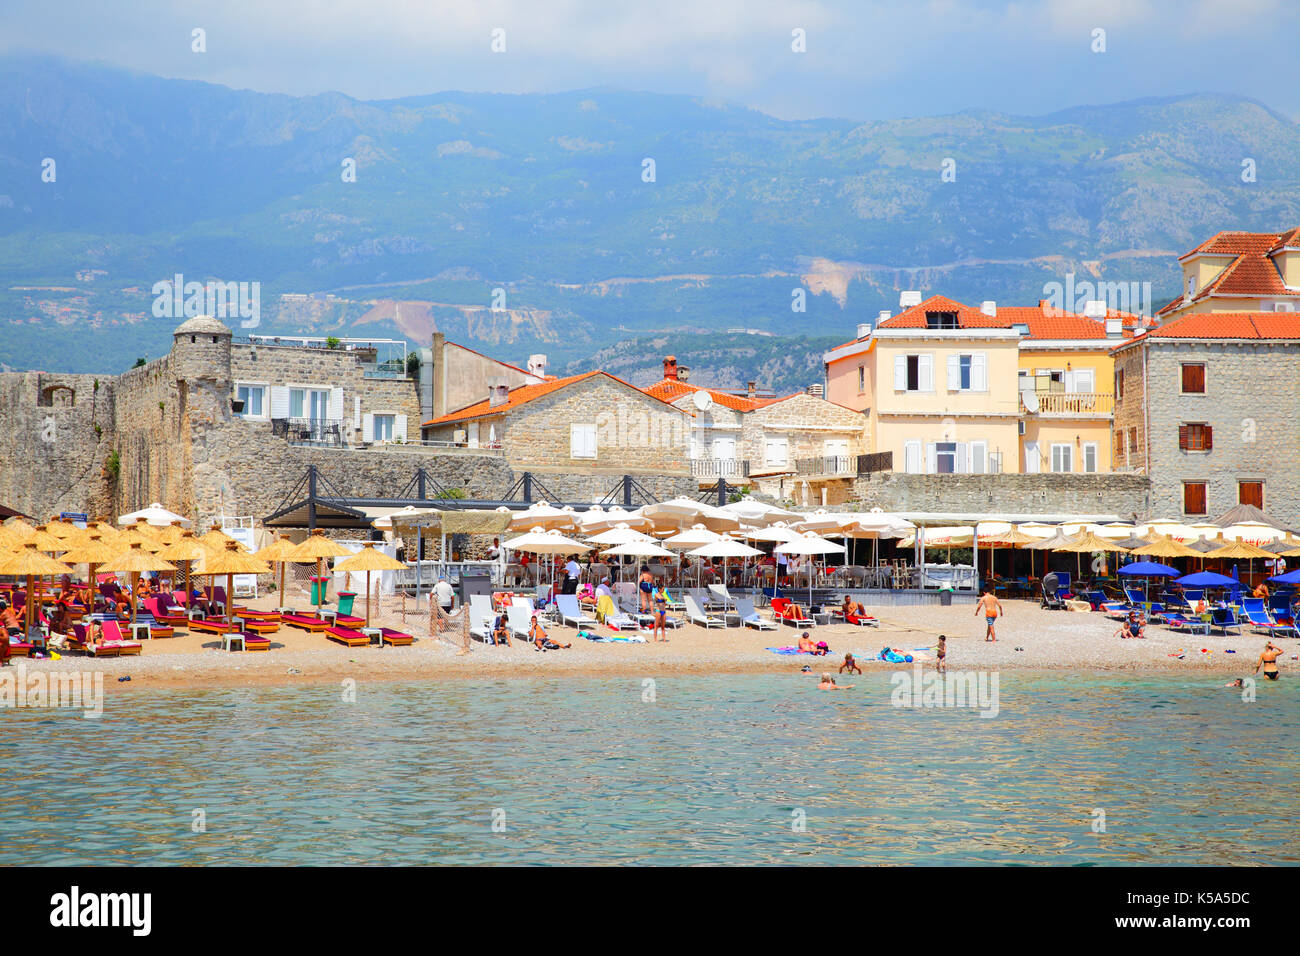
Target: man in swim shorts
x=1268, y=660
x=991, y=607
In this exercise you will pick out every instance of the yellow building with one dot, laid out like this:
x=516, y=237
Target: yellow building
x=1240, y=272
x=951, y=389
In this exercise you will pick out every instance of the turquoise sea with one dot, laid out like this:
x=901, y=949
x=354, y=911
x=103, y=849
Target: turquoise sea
x=713, y=770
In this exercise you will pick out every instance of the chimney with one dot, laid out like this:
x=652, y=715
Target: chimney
x=683, y=373
x=908, y=299
x=498, y=392
x=1115, y=328
x=816, y=391
x=864, y=329
x=670, y=367
x=751, y=389
x=537, y=365
x=438, y=383
x=1095, y=308
x=989, y=308
x=881, y=316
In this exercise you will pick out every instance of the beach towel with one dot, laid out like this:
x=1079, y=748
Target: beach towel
x=784, y=650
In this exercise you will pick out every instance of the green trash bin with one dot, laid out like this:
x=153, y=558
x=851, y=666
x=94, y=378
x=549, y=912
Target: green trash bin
x=320, y=590
x=345, y=602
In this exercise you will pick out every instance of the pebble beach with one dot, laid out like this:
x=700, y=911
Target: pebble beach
x=1028, y=638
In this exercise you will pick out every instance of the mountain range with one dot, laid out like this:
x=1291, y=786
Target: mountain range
x=595, y=223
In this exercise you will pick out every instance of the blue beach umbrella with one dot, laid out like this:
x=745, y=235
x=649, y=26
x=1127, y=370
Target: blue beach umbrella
x=1291, y=577
x=1148, y=569
x=1206, y=579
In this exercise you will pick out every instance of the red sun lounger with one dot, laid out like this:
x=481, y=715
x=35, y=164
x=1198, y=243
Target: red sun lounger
x=345, y=635
x=205, y=626
x=395, y=638
x=305, y=622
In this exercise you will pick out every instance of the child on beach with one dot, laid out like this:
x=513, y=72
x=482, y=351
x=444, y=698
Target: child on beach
x=941, y=654
x=851, y=664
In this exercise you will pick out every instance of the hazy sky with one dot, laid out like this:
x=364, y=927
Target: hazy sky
x=864, y=59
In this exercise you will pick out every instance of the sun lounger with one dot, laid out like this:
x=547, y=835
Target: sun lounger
x=1180, y=622
x=1261, y=621
x=18, y=649
x=571, y=614
x=113, y=639
x=480, y=623
x=787, y=612
x=695, y=614
x=305, y=622
x=345, y=635
x=749, y=617
x=395, y=638
x=1224, y=619
x=165, y=614
x=519, y=620
x=212, y=626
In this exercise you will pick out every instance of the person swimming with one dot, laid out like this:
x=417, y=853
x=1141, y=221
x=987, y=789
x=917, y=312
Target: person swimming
x=828, y=683
x=851, y=664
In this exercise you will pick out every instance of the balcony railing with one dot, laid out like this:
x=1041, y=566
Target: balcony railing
x=1076, y=404
x=826, y=465
x=719, y=468
x=879, y=461
x=310, y=431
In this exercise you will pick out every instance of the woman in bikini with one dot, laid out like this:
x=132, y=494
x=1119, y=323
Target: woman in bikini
x=661, y=615
x=1268, y=661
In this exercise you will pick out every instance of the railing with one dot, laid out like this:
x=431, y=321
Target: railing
x=719, y=468
x=1072, y=403
x=825, y=465
x=310, y=431
x=879, y=461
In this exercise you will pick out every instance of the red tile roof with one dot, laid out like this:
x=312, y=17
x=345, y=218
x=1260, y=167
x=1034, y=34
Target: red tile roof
x=967, y=317
x=522, y=396
x=1252, y=271
x=671, y=389
x=1227, y=325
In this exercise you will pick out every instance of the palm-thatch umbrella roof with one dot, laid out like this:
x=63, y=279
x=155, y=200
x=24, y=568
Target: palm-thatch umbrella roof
x=1056, y=542
x=133, y=536
x=214, y=539
x=1167, y=547
x=30, y=559
x=1133, y=542
x=20, y=527
x=1087, y=541
x=234, y=561
x=1203, y=546
x=1236, y=550
x=46, y=541
x=1246, y=514
x=277, y=550
x=368, y=560
x=317, y=546
x=94, y=551
x=136, y=559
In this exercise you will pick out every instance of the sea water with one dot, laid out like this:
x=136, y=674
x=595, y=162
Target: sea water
x=1075, y=769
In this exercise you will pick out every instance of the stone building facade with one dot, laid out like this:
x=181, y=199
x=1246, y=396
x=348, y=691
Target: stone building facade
x=1212, y=402
x=1124, y=496
x=173, y=431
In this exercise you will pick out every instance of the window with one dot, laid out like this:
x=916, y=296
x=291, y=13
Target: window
x=1194, y=498
x=1251, y=493
x=775, y=451
x=914, y=373
x=1090, y=451
x=967, y=373
x=862, y=379
x=1081, y=380
x=309, y=403
x=1196, y=436
x=1133, y=441
x=941, y=320
x=582, y=441
x=1062, y=458
x=1191, y=285
x=912, y=458
x=384, y=427
x=945, y=458
x=1193, y=378
x=254, y=399
x=1119, y=383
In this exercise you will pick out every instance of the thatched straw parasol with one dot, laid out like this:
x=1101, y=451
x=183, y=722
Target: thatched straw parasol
x=29, y=561
x=45, y=541
x=94, y=552
x=1087, y=542
x=367, y=560
x=1236, y=550
x=317, y=548
x=216, y=540
x=230, y=562
x=1167, y=547
x=19, y=527
x=136, y=560
x=185, y=550
x=277, y=552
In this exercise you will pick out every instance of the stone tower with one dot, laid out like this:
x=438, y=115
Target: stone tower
x=201, y=351
x=200, y=369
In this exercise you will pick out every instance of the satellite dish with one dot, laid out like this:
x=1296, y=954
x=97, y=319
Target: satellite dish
x=1030, y=399
x=702, y=400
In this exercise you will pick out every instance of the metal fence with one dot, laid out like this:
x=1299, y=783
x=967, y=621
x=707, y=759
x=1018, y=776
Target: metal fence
x=879, y=461
x=310, y=431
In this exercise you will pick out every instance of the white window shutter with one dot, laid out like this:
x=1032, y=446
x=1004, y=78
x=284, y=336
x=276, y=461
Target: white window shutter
x=356, y=412
x=589, y=440
x=900, y=373
x=927, y=373
x=279, y=401
x=979, y=378
x=978, y=454
x=931, y=458
x=399, y=428
x=367, y=428
x=963, y=464
x=575, y=441
x=912, y=457
x=954, y=373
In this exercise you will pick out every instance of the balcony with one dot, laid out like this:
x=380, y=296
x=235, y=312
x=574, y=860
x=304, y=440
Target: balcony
x=719, y=468
x=1071, y=405
x=330, y=432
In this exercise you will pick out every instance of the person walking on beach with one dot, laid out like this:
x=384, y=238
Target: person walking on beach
x=644, y=586
x=941, y=655
x=992, y=608
x=444, y=595
x=1268, y=660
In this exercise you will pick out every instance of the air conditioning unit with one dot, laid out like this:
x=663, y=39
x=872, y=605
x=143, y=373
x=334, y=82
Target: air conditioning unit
x=1021, y=423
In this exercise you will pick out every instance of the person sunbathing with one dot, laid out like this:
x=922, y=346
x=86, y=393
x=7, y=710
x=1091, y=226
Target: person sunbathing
x=1261, y=591
x=501, y=631
x=794, y=612
x=94, y=635
x=851, y=608
x=806, y=644
x=540, y=640
x=10, y=621
x=586, y=596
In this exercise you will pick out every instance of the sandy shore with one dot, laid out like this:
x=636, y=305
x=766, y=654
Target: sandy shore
x=1029, y=638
